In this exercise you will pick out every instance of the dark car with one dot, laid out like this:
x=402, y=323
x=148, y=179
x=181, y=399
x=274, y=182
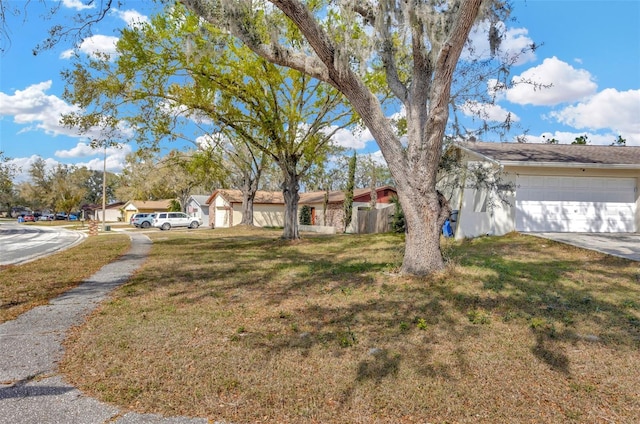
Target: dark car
x=28, y=218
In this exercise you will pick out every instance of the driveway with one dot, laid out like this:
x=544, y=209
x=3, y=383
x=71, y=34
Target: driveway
x=624, y=245
x=21, y=243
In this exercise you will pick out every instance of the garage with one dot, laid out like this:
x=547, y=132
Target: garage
x=575, y=204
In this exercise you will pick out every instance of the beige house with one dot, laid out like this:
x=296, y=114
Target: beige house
x=133, y=207
x=112, y=212
x=225, y=207
x=554, y=188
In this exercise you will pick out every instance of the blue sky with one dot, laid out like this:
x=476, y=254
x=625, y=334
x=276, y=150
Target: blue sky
x=590, y=53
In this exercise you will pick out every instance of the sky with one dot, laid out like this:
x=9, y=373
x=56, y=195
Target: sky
x=589, y=54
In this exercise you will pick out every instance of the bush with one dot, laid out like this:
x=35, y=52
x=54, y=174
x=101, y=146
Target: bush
x=305, y=215
x=397, y=219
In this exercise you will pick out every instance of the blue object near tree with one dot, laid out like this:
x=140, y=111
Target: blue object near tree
x=446, y=229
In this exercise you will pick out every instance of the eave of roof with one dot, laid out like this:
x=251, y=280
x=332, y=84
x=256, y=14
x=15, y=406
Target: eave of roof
x=570, y=165
x=555, y=155
x=200, y=199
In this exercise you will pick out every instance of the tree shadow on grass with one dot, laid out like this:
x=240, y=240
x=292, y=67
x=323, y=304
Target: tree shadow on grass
x=526, y=291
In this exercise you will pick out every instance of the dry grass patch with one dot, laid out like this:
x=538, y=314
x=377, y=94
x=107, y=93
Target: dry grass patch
x=247, y=328
x=23, y=287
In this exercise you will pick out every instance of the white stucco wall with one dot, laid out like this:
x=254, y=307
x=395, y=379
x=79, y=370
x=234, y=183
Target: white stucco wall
x=268, y=215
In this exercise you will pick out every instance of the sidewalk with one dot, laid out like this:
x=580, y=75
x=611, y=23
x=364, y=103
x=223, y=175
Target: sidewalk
x=31, y=390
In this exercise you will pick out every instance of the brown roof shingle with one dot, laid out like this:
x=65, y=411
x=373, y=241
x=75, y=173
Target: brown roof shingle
x=262, y=197
x=557, y=153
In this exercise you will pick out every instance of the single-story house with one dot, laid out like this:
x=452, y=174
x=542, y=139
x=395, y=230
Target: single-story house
x=197, y=206
x=113, y=212
x=133, y=207
x=225, y=207
x=552, y=188
x=334, y=216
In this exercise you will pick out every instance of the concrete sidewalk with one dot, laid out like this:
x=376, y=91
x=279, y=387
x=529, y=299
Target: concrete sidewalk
x=31, y=390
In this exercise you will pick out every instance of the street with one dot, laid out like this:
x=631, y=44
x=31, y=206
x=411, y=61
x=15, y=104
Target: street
x=21, y=243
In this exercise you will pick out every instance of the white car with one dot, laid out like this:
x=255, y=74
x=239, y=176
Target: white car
x=167, y=220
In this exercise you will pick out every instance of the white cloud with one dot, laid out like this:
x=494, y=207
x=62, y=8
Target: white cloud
x=566, y=137
x=77, y=4
x=93, y=46
x=105, y=44
x=32, y=106
x=36, y=110
x=567, y=84
x=116, y=159
x=24, y=164
x=488, y=112
x=376, y=156
x=514, y=47
x=356, y=139
x=131, y=17
x=209, y=141
x=80, y=151
x=609, y=109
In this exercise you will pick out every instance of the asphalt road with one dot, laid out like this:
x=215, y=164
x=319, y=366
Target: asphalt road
x=20, y=243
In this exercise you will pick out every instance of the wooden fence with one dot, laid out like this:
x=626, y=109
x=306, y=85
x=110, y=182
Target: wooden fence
x=374, y=220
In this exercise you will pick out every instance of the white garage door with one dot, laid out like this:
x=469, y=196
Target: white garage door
x=575, y=204
x=221, y=218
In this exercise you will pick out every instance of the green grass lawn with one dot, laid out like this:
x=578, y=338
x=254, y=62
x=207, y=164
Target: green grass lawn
x=239, y=326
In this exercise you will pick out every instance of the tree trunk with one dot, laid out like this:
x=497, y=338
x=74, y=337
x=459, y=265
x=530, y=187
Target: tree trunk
x=290, y=189
x=247, y=208
x=424, y=216
x=325, y=206
x=249, y=188
x=426, y=100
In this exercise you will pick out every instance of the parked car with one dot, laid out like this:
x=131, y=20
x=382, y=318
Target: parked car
x=167, y=220
x=46, y=217
x=137, y=216
x=61, y=217
x=144, y=221
x=29, y=218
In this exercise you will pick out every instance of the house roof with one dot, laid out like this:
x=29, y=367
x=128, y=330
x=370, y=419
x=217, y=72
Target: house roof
x=200, y=199
x=93, y=206
x=116, y=205
x=337, y=196
x=318, y=197
x=276, y=197
x=569, y=155
x=235, y=196
x=151, y=204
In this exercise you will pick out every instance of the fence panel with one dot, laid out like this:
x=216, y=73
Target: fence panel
x=374, y=220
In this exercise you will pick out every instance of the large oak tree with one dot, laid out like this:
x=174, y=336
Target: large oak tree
x=415, y=44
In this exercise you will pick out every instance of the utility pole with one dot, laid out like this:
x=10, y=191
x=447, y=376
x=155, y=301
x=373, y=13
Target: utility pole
x=104, y=188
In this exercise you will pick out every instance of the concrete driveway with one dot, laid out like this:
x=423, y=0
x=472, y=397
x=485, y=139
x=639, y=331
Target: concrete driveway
x=624, y=245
